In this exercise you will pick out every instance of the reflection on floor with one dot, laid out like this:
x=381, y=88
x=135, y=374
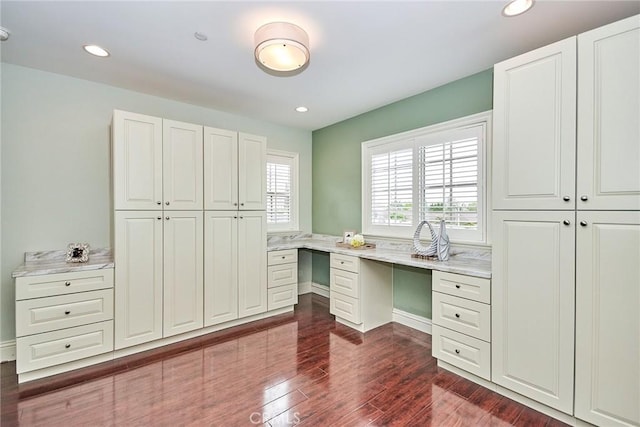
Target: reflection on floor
x=295, y=369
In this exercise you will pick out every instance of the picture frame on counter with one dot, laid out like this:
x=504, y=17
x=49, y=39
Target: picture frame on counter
x=347, y=235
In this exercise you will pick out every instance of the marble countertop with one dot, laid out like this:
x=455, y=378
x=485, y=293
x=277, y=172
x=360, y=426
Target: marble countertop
x=50, y=262
x=475, y=263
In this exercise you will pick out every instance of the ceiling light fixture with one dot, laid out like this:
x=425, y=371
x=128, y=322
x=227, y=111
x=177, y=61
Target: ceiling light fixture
x=282, y=48
x=200, y=36
x=302, y=109
x=96, y=50
x=517, y=7
x=4, y=34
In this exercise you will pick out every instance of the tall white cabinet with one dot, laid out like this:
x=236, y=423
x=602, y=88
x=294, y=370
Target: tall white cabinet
x=566, y=225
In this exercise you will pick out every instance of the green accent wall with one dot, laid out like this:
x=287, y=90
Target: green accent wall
x=336, y=167
x=320, y=268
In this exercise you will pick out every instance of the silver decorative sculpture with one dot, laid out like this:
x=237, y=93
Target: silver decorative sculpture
x=443, y=243
x=432, y=249
x=439, y=243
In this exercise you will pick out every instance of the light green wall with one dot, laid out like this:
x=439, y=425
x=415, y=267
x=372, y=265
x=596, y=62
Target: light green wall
x=337, y=201
x=55, y=162
x=320, y=264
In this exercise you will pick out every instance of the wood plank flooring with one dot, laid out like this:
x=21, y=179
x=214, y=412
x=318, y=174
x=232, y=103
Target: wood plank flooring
x=296, y=369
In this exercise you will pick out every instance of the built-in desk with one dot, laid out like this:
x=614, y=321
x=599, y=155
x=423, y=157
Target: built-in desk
x=467, y=262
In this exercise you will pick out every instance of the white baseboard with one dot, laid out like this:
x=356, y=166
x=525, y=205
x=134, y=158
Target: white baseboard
x=304, y=288
x=7, y=351
x=420, y=323
x=319, y=289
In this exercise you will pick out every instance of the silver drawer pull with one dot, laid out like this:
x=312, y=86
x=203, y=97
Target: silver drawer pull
x=457, y=351
x=67, y=312
x=457, y=315
x=457, y=286
x=67, y=283
x=67, y=345
x=283, y=257
x=341, y=262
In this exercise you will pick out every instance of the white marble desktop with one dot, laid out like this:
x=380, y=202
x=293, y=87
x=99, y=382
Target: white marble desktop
x=50, y=262
x=462, y=260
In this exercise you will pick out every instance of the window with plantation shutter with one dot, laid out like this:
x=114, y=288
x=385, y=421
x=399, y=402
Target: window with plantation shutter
x=282, y=177
x=434, y=173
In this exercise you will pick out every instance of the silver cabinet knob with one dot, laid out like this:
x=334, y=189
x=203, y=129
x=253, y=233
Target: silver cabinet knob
x=159, y=217
x=583, y=223
x=235, y=217
x=566, y=222
x=167, y=218
x=457, y=286
x=67, y=346
x=457, y=316
x=566, y=198
x=67, y=312
x=457, y=351
x=241, y=204
x=584, y=198
x=235, y=204
x=241, y=217
x=166, y=203
x=67, y=283
x=158, y=202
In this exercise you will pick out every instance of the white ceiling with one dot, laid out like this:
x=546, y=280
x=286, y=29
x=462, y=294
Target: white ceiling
x=364, y=54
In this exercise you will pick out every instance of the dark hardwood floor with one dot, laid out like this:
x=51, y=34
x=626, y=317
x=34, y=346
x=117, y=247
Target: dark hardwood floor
x=295, y=369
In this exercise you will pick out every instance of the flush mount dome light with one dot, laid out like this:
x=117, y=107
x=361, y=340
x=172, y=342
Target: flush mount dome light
x=282, y=47
x=517, y=7
x=96, y=50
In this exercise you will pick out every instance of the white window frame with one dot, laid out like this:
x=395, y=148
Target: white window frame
x=414, y=139
x=292, y=159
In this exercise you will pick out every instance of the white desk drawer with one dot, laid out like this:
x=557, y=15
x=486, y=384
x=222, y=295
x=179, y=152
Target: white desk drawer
x=465, y=352
x=66, y=345
x=39, y=315
x=282, y=296
x=284, y=274
x=345, y=307
x=344, y=282
x=345, y=262
x=282, y=257
x=473, y=288
x=63, y=283
x=462, y=315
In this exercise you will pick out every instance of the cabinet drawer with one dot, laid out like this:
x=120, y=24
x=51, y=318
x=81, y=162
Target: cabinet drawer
x=344, y=282
x=66, y=345
x=465, y=352
x=282, y=257
x=345, y=262
x=345, y=307
x=63, y=283
x=38, y=315
x=282, y=296
x=284, y=274
x=473, y=288
x=462, y=315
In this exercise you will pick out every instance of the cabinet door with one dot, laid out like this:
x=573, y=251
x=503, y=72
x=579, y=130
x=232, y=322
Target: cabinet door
x=138, y=277
x=220, y=169
x=137, y=161
x=252, y=171
x=183, y=272
x=182, y=165
x=220, y=267
x=533, y=300
x=608, y=111
x=608, y=318
x=252, y=263
x=534, y=137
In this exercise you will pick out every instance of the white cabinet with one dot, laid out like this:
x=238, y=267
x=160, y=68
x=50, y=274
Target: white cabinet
x=159, y=278
x=462, y=322
x=360, y=292
x=61, y=318
x=608, y=318
x=282, y=279
x=608, y=111
x=533, y=296
x=157, y=164
x=138, y=291
x=235, y=265
x=534, y=137
x=234, y=170
x=183, y=236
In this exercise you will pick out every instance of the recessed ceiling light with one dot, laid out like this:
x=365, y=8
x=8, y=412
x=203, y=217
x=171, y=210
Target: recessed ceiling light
x=200, y=36
x=4, y=34
x=302, y=109
x=95, y=50
x=517, y=7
